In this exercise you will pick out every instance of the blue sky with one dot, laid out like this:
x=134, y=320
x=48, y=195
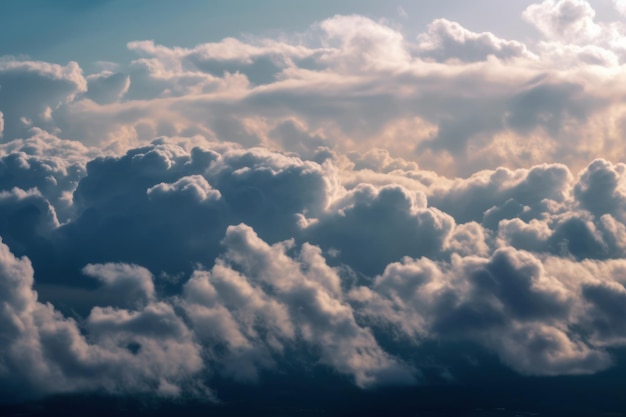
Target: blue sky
x=89, y=31
x=333, y=206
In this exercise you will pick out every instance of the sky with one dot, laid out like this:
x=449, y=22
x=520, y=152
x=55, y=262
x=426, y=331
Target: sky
x=312, y=208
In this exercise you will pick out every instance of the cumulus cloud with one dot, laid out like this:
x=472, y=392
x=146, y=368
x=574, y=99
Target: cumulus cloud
x=506, y=302
x=453, y=100
x=449, y=40
x=32, y=90
x=197, y=261
x=574, y=34
x=149, y=350
x=123, y=282
x=303, y=300
x=46, y=163
x=338, y=199
x=572, y=20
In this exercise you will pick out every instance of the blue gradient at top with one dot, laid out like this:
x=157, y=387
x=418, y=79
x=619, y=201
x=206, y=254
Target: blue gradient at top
x=90, y=30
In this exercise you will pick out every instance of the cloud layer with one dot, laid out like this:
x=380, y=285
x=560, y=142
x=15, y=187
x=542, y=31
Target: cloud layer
x=336, y=199
x=180, y=264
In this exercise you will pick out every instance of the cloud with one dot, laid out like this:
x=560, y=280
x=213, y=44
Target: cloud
x=188, y=263
x=401, y=12
x=507, y=303
x=371, y=228
x=620, y=6
x=46, y=163
x=107, y=87
x=149, y=350
x=572, y=29
x=452, y=100
x=601, y=188
x=339, y=199
x=123, y=282
x=571, y=20
x=449, y=40
x=31, y=90
x=303, y=300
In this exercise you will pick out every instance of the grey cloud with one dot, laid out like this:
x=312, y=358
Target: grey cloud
x=295, y=138
x=310, y=292
x=507, y=303
x=371, y=228
x=601, y=190
x=196, y=259
x=48, y=164
x=194, y=186
x=44, y=352
x=184, y=200
x=107, y=87
x=380, y=160
x=27, y=221
x=548, y=105
x=503, y=193
x=31, y=90
x=608, y=301
x=176, y=290
x=129, y=284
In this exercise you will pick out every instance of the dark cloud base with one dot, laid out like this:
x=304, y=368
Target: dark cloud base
x=501, y=394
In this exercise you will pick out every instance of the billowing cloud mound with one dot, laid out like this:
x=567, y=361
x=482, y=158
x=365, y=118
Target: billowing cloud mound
x=341, y=201
x=185, y=262
x=138, y=351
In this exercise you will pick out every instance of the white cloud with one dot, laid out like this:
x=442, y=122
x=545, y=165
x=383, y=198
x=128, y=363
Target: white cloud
x=31, y=88
x=454, y=100
x=302, y=300
x=620, y=6
x=449, y=40
x=570, y=20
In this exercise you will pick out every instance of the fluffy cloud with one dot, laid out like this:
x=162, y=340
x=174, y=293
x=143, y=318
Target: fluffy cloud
x=46, y=163
x=245, y=208
x=572, y=20
x=43, y=352
x=32, y=90
x=126, y=283
x=452, y=100
x=449, y=40
x=302, y=299
x=507, y=302
x=175, y=290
